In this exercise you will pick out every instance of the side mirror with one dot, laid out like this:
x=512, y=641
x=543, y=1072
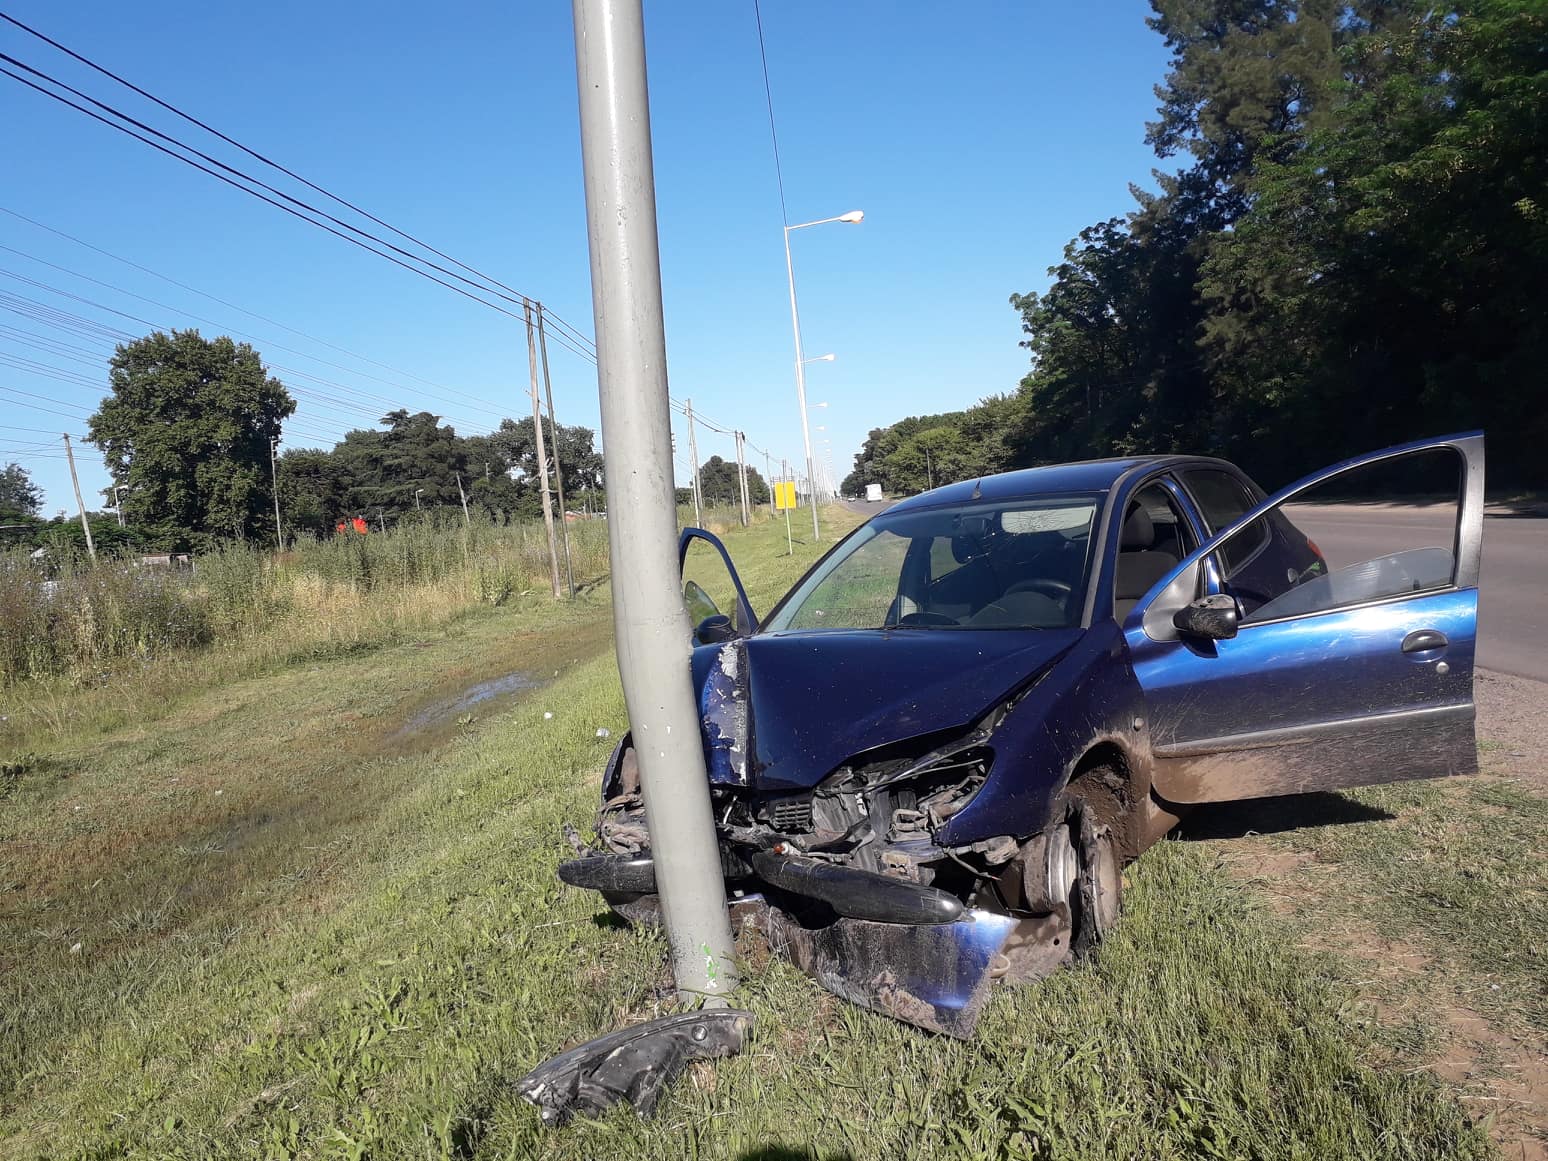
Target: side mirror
x=1213, y=618
x=715, y=630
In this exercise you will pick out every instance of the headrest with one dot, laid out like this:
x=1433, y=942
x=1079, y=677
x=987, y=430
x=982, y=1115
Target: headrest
x=964, y=548
x=1138, y=532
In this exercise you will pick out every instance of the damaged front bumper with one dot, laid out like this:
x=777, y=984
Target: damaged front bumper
x=849, y=880
x=915, y=952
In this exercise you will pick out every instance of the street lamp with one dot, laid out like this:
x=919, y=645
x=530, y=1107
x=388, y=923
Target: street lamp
x=853, y=218
x=118, y=501
x=416, y=498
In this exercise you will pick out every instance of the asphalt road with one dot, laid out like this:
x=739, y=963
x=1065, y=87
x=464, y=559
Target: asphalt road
x=1513, y=593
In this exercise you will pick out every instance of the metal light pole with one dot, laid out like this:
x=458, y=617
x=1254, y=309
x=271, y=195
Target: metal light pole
x=651, y=623
x=854, y=216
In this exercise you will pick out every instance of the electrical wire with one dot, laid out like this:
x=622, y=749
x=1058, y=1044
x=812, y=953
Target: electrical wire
x=46, y=399
x=768, y=93
x=559, y=337
x=254, y=314
x=126, y=336
x=282, y=169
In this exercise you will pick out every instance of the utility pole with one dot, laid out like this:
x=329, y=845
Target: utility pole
x=651, y=623
x=741, y=471
x=467, y=521
x=553, y=427
x=542, y=453
x=279, y=533
x=768, y=479
x=80, y=506
x=693, y=455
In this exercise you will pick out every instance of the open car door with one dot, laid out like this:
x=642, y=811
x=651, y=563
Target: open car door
x=1326, y=638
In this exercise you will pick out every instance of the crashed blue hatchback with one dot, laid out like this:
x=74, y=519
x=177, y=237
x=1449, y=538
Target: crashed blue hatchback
x=930, y=762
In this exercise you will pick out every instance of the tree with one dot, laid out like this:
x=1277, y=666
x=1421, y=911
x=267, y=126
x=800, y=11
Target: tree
x=20, y=498
x=188, y=429
x=514, y=443
x=720, y=482
x=1354, y=253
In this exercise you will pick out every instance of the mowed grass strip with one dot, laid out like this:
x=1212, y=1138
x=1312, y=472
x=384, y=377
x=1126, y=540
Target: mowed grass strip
x=379, y=1005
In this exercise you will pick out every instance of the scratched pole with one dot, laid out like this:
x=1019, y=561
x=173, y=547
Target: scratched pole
x=650, y=620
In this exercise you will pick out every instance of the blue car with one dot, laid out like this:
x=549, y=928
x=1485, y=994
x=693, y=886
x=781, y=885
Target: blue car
x=931, y=760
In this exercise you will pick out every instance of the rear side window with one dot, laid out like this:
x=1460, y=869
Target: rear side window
x=1223, y=500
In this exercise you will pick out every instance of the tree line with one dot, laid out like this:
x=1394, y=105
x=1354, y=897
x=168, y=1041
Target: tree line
x=1353, y=253
x=189, y=427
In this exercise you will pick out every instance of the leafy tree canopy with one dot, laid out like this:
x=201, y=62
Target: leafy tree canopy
x=19, y=497
x=1354, y=252
x=720, y=483
x=188, y=428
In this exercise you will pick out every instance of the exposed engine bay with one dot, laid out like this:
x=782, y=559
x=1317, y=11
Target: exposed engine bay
x=849, y=881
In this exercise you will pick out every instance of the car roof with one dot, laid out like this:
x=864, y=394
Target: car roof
x=1081, y=476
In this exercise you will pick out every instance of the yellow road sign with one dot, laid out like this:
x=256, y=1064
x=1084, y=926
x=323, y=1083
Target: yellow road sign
x=784, y=496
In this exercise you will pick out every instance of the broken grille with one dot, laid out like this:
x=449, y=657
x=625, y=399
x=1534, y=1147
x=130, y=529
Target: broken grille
x=792, y=815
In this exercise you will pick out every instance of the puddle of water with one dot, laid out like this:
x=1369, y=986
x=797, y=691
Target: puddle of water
x=440, y=712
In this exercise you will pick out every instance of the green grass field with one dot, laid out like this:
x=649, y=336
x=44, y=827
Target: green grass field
x=311, y=912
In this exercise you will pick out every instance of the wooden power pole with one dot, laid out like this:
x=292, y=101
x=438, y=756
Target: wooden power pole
x=693, y=454
x=741, y=471
x=542, y=453
x=80, y=506
x=553, y=430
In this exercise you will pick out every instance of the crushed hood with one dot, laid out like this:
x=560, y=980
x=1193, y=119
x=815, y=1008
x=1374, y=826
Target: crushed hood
x=815, y=699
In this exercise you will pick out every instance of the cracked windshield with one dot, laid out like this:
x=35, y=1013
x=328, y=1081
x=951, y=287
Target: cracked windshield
x=1018, y=566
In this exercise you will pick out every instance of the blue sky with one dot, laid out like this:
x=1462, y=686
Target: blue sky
x=977, y=139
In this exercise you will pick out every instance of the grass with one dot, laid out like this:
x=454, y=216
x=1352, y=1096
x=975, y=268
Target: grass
x=273, y=924
x=1435, y=897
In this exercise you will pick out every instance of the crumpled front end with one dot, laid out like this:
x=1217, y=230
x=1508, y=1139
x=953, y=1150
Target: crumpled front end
x=850, y=878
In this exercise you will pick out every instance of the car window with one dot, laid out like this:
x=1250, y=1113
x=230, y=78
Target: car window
x=1154, y=539
x=1010, y=565
x=1373, y=533
x=942, y=561
x=1223, y=500
x=707, y=586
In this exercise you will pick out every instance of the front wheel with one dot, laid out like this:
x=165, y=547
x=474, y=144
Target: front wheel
x=1072, y=869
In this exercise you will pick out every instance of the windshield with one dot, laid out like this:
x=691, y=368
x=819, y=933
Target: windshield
x=1017, y=564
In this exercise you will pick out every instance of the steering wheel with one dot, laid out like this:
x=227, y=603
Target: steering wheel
x=1055, y=590
x=926, y=619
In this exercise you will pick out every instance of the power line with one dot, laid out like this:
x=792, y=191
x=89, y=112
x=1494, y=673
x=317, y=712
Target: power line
x=244, y=310
x=282, y=169
x=126, y=336
x=768, y=93
x=46, y=399
x=255, y=193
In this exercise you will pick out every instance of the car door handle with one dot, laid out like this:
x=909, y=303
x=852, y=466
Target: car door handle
x=1423, y=640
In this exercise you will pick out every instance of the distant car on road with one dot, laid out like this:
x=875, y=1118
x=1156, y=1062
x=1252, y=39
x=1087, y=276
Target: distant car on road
x=930, y=761
x=873, y=493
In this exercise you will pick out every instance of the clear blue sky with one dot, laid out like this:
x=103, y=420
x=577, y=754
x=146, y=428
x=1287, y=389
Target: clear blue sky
x=977, y=139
